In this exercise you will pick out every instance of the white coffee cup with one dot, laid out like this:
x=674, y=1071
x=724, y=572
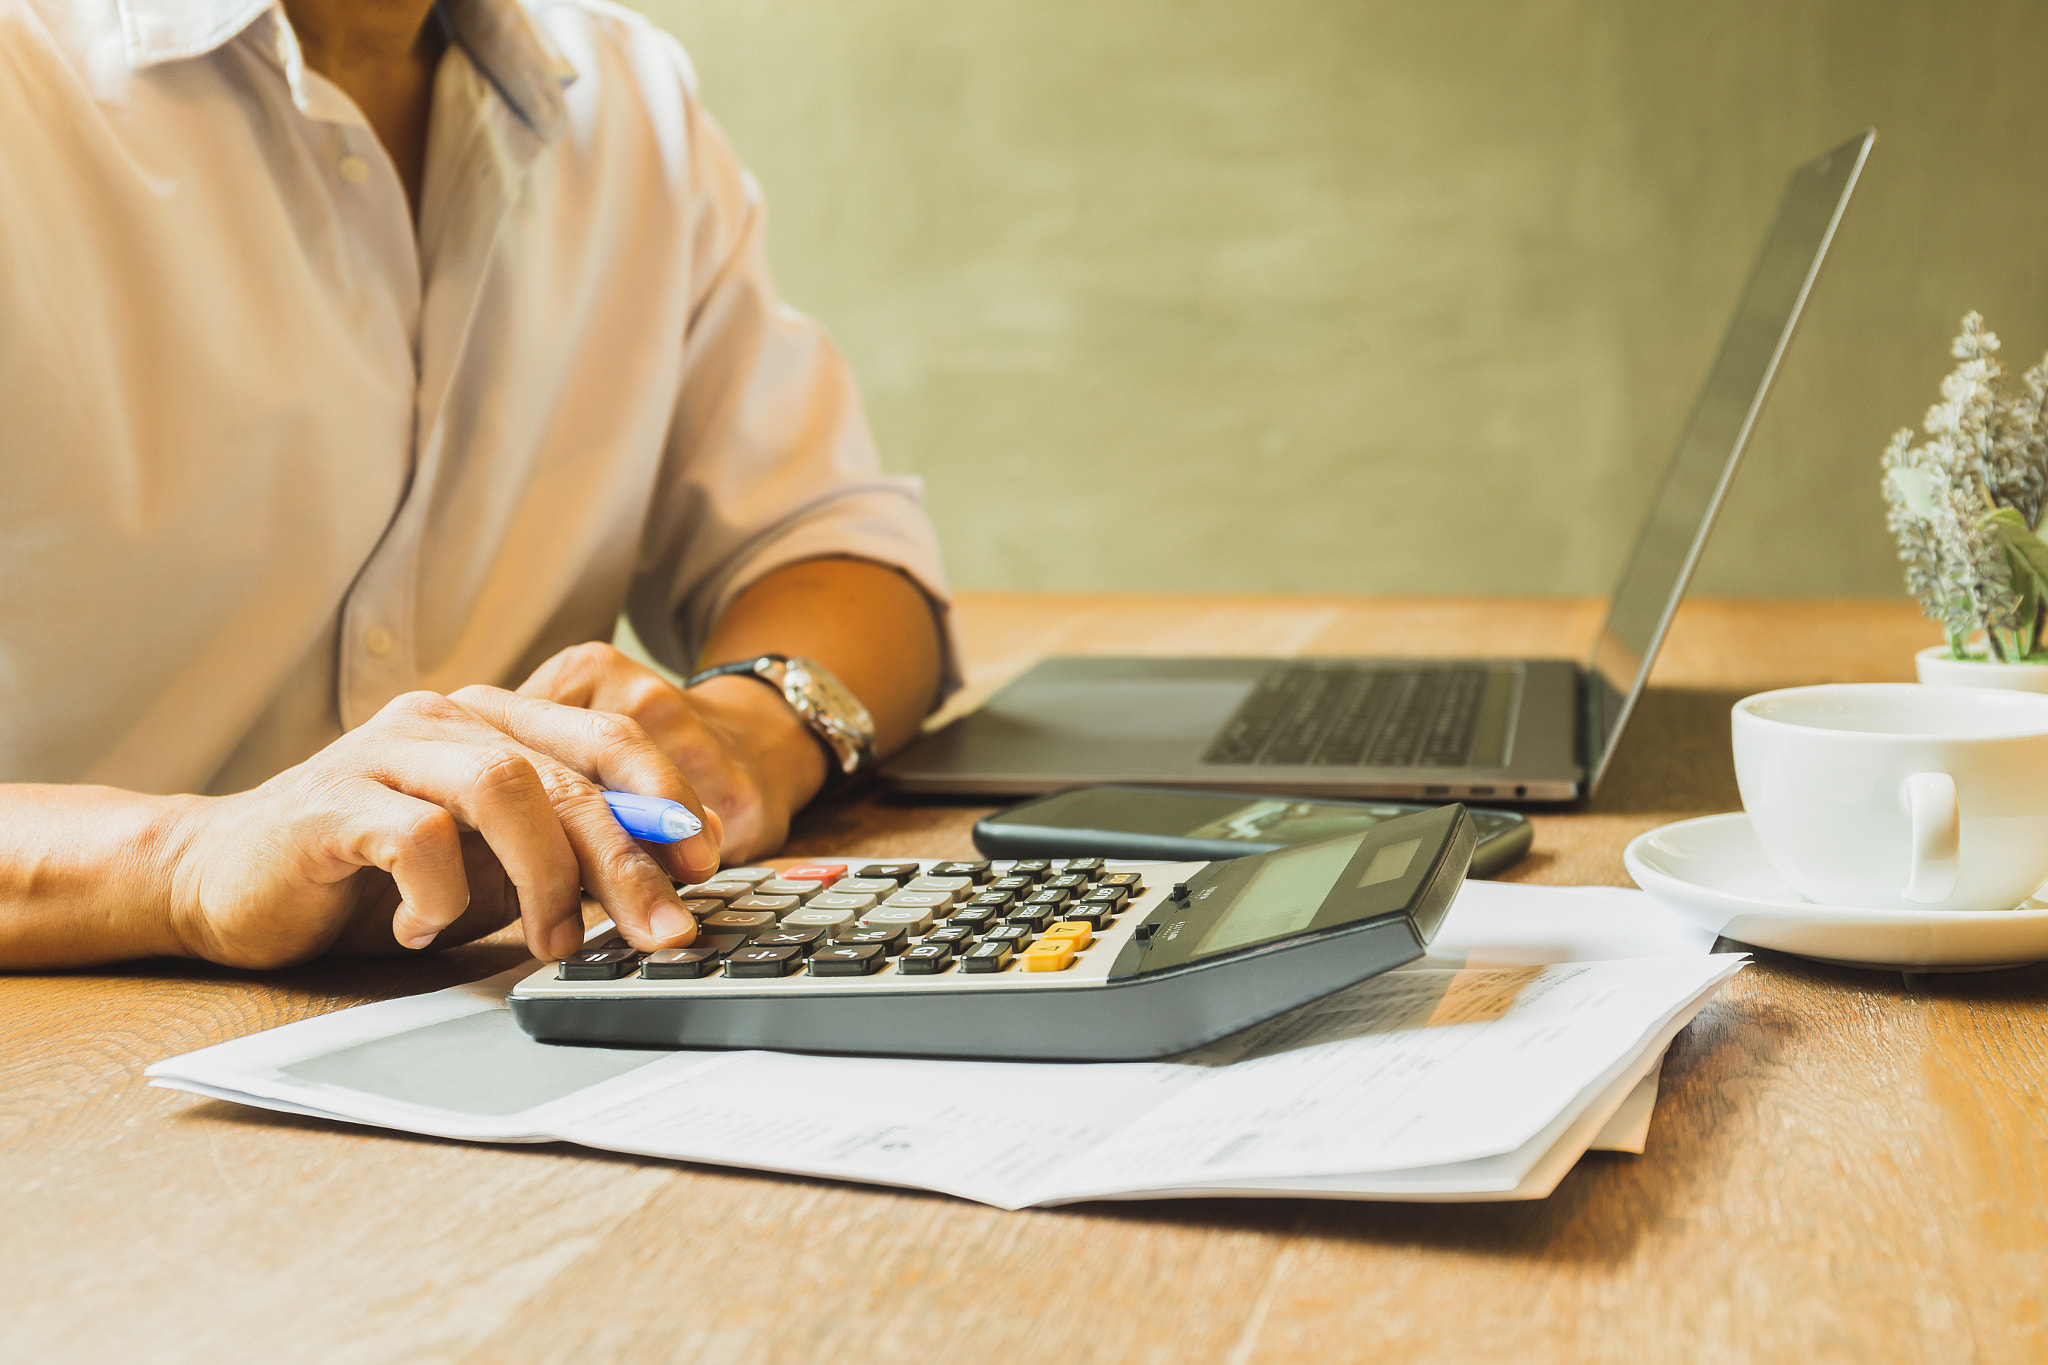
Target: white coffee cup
x=1898, y=796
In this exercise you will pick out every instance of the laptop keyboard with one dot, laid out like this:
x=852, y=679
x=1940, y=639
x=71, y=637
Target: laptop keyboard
x=1351, y=715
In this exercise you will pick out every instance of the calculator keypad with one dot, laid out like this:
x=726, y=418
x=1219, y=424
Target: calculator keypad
x=1034, y=915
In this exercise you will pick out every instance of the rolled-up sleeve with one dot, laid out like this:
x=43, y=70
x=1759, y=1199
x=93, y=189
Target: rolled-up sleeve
x=769, y=459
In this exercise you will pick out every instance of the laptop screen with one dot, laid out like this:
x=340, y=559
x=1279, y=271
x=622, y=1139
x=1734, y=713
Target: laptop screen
x=1683, y=511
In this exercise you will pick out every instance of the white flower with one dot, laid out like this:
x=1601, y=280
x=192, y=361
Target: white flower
x=1985, y=450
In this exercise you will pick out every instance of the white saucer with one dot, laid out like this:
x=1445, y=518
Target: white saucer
x=1713, y=871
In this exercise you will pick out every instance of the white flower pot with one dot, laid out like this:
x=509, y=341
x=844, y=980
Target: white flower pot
x=1939, y=668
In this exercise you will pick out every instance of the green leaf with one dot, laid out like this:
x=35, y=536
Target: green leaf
x=2022, y=547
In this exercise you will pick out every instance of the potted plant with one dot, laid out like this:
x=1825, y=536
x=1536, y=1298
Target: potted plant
x=1966, y=505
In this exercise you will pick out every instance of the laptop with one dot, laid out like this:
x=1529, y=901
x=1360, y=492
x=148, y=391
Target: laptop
x=1454, y=729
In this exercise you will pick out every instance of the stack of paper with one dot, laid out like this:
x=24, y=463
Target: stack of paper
x=1483, y=1072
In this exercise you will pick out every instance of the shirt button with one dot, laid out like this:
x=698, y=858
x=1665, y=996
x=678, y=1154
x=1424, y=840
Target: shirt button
x=354, y=169
x=378, y=641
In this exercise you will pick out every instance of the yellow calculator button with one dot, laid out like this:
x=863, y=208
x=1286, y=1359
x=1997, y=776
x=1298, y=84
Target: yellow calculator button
x=1081, y=934
x=1048, y=955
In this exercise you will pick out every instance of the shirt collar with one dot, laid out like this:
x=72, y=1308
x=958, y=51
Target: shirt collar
x=500, y=37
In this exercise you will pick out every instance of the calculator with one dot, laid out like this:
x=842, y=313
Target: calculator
x=1040, y=959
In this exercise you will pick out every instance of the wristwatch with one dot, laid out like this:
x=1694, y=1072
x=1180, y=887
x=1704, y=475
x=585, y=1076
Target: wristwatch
x=831, y=712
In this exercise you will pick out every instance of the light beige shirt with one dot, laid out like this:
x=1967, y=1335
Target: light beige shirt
x=269, y=459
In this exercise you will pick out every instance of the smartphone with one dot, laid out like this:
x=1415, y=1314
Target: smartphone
x=1180, y=826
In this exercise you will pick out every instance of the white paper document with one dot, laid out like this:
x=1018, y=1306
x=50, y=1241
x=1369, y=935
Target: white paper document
x=1437, y=1081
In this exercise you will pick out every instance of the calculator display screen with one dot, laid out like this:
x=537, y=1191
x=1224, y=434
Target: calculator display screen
x=1240, y=905
x=1283, y=896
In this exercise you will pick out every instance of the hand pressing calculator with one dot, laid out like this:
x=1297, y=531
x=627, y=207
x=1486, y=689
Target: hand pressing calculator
x=1035, y=959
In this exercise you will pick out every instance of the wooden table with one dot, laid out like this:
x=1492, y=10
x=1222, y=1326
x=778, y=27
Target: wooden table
x=1843, y=1166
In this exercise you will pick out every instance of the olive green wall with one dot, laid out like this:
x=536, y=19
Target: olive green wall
x=1383, y=295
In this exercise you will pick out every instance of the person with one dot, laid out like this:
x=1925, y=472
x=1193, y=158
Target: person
x=360, y=360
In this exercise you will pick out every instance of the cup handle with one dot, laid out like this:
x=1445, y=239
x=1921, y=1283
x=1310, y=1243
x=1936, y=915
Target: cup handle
x=1937, y=825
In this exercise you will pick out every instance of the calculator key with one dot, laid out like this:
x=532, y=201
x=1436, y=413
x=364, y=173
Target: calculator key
x=768, y=905
x=830, y=920
x=1129, y=881
x=987, y=957
x=857, y=903
x=849, y=959
x=749, y=875
x=718, y=943
x=1087, y=866
x=1067, y=881
x=788, y=886
x=955, y=889
x=958, y=935
x=827, y=873
x=1106, y=895
x=1092, y=913
x=894, y=872
x=1015, y=886
x=891, y=939
x=1073, y=931
x=938, y=902
x=679, y=964
x=756, y=960
x=975, y=870
x=925, y=959
x=1037, y=869
x=748, y=922
x=1053, y=896
x=700, y=906
x=719, y=891
x=598, y=964
x=1016, y=935
x=1032, y=917
x=994, y=900
x=912, y=919
x=1048, y=955
x=864, y=886
x=784, y=936
x=976, y=917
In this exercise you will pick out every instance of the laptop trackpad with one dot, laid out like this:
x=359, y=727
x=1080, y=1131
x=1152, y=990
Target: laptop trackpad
x=1137, y=709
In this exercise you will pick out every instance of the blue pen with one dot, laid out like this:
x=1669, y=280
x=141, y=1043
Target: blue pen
x=652, y=818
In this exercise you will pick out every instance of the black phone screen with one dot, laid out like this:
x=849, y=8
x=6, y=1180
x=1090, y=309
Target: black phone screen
x=1196, y=815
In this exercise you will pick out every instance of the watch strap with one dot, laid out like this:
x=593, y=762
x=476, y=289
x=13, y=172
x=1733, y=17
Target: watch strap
x=756, y=667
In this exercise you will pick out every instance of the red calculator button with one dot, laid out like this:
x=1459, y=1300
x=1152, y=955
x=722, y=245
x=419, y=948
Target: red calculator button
x=814, y=872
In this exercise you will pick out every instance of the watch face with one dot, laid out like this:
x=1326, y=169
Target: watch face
x=835, y=712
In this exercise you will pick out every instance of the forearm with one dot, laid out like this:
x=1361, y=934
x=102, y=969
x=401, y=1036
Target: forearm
x=870, y=625
x=85, y=875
